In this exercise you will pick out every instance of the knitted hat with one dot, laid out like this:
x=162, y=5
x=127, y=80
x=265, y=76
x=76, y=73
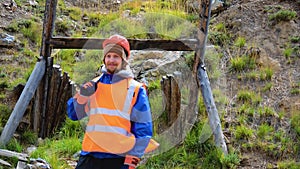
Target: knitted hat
x=116, y=49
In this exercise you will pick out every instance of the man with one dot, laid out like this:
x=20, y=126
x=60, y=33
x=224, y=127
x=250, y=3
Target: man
x=119, y=128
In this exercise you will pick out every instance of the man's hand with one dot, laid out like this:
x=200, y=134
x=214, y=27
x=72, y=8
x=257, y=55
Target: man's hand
x=88, y=88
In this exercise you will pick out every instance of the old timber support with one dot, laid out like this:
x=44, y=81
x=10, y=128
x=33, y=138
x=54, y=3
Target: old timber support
x=199, y=68
x=50, y=89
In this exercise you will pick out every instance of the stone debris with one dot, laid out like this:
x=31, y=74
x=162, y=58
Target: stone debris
x=6, y=40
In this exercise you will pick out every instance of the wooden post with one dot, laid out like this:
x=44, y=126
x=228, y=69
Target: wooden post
x=23, y=102
x=172, y=98
x=209, y=102
x=34, y=79
x=48, y=26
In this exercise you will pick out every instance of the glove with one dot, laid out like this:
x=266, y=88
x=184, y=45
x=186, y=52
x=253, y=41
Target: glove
x=88, y=88
x=131, y=161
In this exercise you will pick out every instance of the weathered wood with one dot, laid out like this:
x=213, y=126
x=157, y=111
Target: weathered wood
x=206, y=91
x=45, y=109
x=172, y=98
x=23, y=102
x=21, y=165
x=58, y=114
x=8, y=153
x=5, y=163
x=55, y=92
x=135, y=44
x=61, y=107
x=48, y=27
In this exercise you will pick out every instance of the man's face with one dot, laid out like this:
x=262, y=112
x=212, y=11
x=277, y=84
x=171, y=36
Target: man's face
x=113, y=62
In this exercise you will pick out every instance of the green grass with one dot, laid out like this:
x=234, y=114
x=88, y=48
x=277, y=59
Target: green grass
x=288, y=164
x=283, y=15
x=250, y=97
x=240, y=42
x=242, y=63
x=75, y=13
x=243, y=132
x=287, y=52
x=295, y=122
x=54, y=151
x=264, y=130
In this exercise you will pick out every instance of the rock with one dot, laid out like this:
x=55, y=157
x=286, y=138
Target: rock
x=6, y=40
x=264, y=60
x=149, y=64
x=38, y=163
x=32, y=3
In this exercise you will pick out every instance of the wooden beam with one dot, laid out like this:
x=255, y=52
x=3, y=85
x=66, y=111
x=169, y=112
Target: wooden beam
x=21, y=105
x=214, y=119
x=8, y=153
x=135, y=44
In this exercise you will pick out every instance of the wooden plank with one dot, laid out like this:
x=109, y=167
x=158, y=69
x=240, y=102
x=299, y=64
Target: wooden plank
x=5, y=163
x=135, y=44
x=214, y=119
x=8, y=153
x=22, y=103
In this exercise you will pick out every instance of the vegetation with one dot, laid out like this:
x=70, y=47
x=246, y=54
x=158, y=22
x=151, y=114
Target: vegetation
x=283, y=15
x=255, y=127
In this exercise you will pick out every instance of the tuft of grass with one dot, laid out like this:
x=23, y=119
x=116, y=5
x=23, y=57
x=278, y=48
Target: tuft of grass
x=266, y=111
x=266, y=74
x=283, y=15
x=220, y=27
x=242, y=63
x=288, y=52
x=288, y=164
x=219, y=38
x=243, y=132
x=240, y=42
x=29, y=137
x=250, y=97
x=230, y=160
x=295, y=39
x=14, y=145
x=33, y=31
x=264, y=130
x=75, y=13
x=62, y=25
x=295, y=122
x=267, y=87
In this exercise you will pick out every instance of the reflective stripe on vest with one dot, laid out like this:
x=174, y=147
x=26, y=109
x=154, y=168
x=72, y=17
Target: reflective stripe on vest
x=108, y=128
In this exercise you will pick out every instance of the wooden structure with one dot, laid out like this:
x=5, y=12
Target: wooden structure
x=47, y=109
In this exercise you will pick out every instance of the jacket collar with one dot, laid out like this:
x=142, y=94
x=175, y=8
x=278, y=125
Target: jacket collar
x=120, y=75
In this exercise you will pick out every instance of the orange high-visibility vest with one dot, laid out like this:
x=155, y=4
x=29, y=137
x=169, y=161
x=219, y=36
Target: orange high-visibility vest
x=108, y=128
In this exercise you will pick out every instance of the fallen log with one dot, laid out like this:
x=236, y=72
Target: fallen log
x=8, y=153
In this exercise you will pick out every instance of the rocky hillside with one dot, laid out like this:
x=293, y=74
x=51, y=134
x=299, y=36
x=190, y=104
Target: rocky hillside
x=267, y=95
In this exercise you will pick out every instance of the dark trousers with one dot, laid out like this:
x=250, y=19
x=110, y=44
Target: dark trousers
x=90, y=162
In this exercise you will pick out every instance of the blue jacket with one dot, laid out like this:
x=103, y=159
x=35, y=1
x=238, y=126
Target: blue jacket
x=141, y=122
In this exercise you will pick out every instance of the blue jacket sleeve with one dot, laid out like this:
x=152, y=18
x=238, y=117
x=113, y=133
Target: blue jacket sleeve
x=141, y=123
x=75, y=110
